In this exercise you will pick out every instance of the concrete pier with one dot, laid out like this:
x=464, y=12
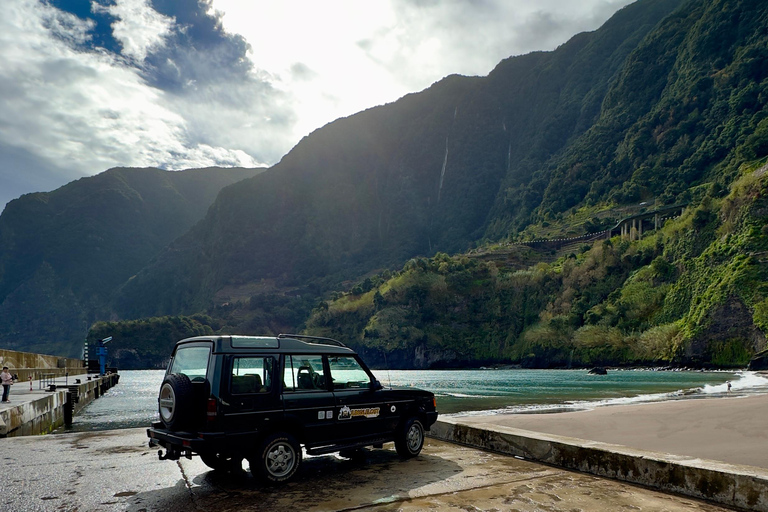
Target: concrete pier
x=41, y=406
x=481, y=467
x=116, y=471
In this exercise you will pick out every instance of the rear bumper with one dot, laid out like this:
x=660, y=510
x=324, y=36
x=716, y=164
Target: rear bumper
x=177, y=444
x=184, y=444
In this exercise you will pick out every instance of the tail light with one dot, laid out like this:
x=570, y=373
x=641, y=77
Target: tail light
x=211, y=409
x=434, y=402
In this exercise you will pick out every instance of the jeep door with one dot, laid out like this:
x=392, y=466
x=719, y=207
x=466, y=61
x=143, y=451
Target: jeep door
x=359, y=407
x=249, y=395
x=308, y=401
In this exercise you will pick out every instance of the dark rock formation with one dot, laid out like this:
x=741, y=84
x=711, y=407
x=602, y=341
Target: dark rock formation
x=759, y=362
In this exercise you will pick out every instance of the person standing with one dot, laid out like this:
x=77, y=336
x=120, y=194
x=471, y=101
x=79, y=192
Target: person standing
x=6, y=379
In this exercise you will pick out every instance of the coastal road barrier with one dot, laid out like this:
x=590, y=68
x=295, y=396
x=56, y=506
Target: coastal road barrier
x=732, y=485
x=40, y=411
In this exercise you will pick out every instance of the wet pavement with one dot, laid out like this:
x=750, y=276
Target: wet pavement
x=115, y=470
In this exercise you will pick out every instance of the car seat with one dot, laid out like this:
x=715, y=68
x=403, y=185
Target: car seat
x=304, y=378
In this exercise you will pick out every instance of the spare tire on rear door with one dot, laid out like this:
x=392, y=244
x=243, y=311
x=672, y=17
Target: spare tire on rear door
x=175, y=401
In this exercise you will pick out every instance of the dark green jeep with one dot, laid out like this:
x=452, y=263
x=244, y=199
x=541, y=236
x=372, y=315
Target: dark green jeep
x=229, y=398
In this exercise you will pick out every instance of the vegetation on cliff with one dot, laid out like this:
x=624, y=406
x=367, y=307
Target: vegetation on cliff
x=147, y=343
x=692, y=293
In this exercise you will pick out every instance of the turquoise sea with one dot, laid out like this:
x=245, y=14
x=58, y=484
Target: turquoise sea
x=133, y=402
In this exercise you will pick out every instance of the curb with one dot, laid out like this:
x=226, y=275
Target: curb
x=732, y=485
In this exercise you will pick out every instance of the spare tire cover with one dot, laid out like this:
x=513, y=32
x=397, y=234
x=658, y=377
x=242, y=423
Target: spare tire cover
x=175, y=401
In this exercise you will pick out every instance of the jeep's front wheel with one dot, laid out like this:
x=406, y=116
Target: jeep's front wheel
x=278, y=458
x=219, y=462
x=409, y=439
x=175, y=401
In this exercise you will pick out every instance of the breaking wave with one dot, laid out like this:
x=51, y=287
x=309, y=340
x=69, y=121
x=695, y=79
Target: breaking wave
x=745, y=383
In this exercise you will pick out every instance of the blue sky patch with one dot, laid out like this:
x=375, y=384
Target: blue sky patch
x=102, y=32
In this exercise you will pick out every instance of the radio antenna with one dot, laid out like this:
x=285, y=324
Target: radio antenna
x=387, y=365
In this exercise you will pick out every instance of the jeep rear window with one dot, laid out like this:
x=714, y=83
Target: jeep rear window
x=192, y=362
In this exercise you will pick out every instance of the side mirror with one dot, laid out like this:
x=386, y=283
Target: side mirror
x=376, y=385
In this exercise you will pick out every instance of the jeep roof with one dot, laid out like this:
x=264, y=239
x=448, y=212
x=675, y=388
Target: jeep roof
x=283, y=343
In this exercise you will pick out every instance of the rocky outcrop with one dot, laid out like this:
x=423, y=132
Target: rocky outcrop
x=730, y=323
x=759, y=362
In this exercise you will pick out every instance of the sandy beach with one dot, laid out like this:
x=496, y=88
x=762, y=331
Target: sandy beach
x=730, y=429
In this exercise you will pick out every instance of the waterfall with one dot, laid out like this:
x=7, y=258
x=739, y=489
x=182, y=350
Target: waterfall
x=442, y=172
x=445, y=158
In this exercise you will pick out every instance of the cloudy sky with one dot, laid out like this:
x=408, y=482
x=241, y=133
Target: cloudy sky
x=86, y=85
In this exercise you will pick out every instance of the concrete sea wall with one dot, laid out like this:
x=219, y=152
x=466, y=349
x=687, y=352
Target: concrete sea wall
x=38, y=366
x=744, y=487
x=42, y=411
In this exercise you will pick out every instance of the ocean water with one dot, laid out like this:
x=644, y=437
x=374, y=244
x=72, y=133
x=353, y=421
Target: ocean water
x=133, y=402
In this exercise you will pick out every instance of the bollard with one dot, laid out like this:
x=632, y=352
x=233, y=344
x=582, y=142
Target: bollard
x=30, y=383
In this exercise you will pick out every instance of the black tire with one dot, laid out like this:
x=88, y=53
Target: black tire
x=409, y=439
x=175, y=401
x=277, y=459
x=219, y=462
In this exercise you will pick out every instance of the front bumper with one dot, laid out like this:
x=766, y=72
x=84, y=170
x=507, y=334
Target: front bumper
x=431, y=418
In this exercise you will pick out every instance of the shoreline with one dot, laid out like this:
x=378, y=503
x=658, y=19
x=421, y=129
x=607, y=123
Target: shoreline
x=743, y=384
x=730, y=428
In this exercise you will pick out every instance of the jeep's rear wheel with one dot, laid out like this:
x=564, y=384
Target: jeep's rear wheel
x=220, y=462
x=409, y=439
x=278, y=458
x=175, y=401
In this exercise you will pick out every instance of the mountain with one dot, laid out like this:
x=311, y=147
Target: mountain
x=408, y=229
x=63, y=253
x=423, y=174
x=687, y=107
x=682, y=122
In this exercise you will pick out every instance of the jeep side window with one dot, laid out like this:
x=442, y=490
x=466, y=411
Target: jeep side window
x=347, y=373
x=304, y=373
x=251, y=375
x=192, y=362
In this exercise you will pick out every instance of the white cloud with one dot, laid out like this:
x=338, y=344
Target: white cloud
x=169, y=103
x=89, y=111
x=139, y=28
